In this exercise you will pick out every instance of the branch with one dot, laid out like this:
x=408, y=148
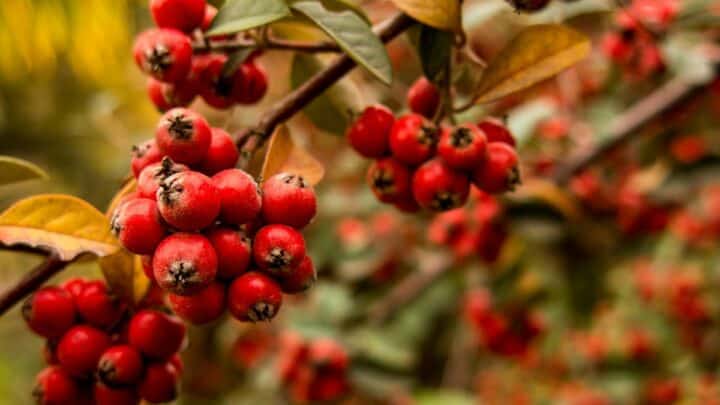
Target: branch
x=32, y=281
x=208, y=45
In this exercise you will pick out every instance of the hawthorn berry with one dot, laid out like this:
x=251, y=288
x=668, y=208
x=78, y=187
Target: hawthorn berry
x=222, y=154
x=413, y=139
x=496, y=131
x=233, y=249
x=189, y=201
x=53, y=386
x=289, y=200
x=165, y=54
x=151, y=176
x=155, y=334
x=389, y=180
x=146, y=262
x=184, y=135
x=160, y=383
x=239, y=195
x=49, y=312
x=499, y=172
x=183, y=15
x=278, y=249
x=74, y=286
x=423, y=97
x=203, y=307
x=369, y=135
x=104, y=395
x=327, y=353
x=462, y=147
x=98, y=306
x=299, y=279
x=184, y=263
x=137, y=225
x=210, y=13
x=80, y=349
x=143, y=155
x=251, y=84
x=120, y=366
x=214, y=84
x=438, y=187
x=254, y=297
x=169, y=95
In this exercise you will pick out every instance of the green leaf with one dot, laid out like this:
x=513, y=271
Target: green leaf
x=443, y=397
x=234, y=61
x=13, y=170
x=240, y=15
x=434, y=47
x=352, y=34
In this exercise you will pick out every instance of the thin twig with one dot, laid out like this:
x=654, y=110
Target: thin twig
x=31, y=282
x=227, y=46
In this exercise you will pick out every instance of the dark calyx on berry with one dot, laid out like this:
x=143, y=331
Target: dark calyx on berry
x=159, y=58
x=181, y=127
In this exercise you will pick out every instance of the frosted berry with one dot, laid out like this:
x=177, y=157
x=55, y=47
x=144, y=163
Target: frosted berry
x=188, y=201
x=80, y=349
x=165, y=54
x=251, y=84
x=462, y=147
x=184, y=263
x=288, y=199
x=423, y=98
x=239, y=195
x=278, y=249
x=120, y=365
x=137, y=225
x=184, y=135
x=169, y=95
x=439, y=188
x=143, y=155
x=222, y=154
x=49, y=312
x=98, y=306
x=183, y=15
x=160, y=383
x=299, y=279
x=369, y=135
x=53, y=386
x=496, y=131
x=413, y=139
x=155, y=334
x=233, y=248
x=154, y=174
x=389, y=180
x=105, y=395
x=499, y=172
x=203, y=307
x=254, y=297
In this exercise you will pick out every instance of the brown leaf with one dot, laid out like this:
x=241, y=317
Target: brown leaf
x=440, y=14
x=284, y=156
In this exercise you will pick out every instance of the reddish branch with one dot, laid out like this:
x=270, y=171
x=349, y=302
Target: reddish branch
x=32, y=281
x=272, y=43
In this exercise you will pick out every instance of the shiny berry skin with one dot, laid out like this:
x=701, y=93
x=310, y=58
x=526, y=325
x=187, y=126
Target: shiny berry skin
x=184, y=135
x=222, y=154
x=499, y=171
x=233, y=248
x=137, y=225
x=423, y=98
x=143, y=155
x=210, y=13
x=160, y=383
x=150, y=177
x=278, y=249
x=215, y=88
x=254, y=297
x=369, y=135
x=120, y=365
x=299, y=279
x=183, y=15
x=439, y=188
x=155, y=334
x=98, y=306
x=80, y=349
x=203, y=307
x=53, y=386
x=496, y=131
x=49, y=312
x=189, y=201
x=413, y=139
x=462, y=147
x=528, y=6
x=289, y=200
x=389, y=180
x=184, y=263
x=239, y=195
x=164, y=54
x=105, y=395
x=251, y=84
x=74, y=286
x=166, y=96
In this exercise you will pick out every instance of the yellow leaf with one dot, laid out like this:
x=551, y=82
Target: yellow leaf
x=13, y=170
x=129, y=187
x=64, y=224
x=124, y=273
x=537, y=53
x=440, y=14
x=284, y=156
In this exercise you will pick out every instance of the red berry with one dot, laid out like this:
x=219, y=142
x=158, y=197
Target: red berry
x=98, y=306
x=80, y=349
x=150, y=177
x=165, y=54
x=74, y=286
x=53, y=386
x=203, y=307
x=278, y=249
x=183, y=15
x=389, y=180
x=254, y=297
x=439, y=188
x=137, y=225
x=49, y=312
x=210, y=13
x=189, y=201
x=462, y=147
x=299, y=279
x=240, y=196
x=105, y=395
x=143, y=155
x=215, y=87
x=499, y=172
x=287, y=199
x=169, y=95
x=233, y=249
x=223, y=153
x=407, y=204
x=160, y=383
x=184, y=263
x=369, y=135
x=496, y=131
x=328, y=354
x=146, y=261
x=423, y=98
x=184, y=135
x=120, y=365
x=155, y=334
x=413, y=139
x=251, y=83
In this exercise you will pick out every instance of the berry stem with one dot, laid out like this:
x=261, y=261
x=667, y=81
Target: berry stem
x=32, y=281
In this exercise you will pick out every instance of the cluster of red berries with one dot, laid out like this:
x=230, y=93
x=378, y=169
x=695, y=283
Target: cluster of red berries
x=419, y=165
x=177, y=75
x=313, y=371
x=203, y=237
x=97, y=352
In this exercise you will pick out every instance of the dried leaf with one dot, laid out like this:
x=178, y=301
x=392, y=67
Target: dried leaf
x=13, y=170
x=441, y=14
x=124, y=274
x=283, y=155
